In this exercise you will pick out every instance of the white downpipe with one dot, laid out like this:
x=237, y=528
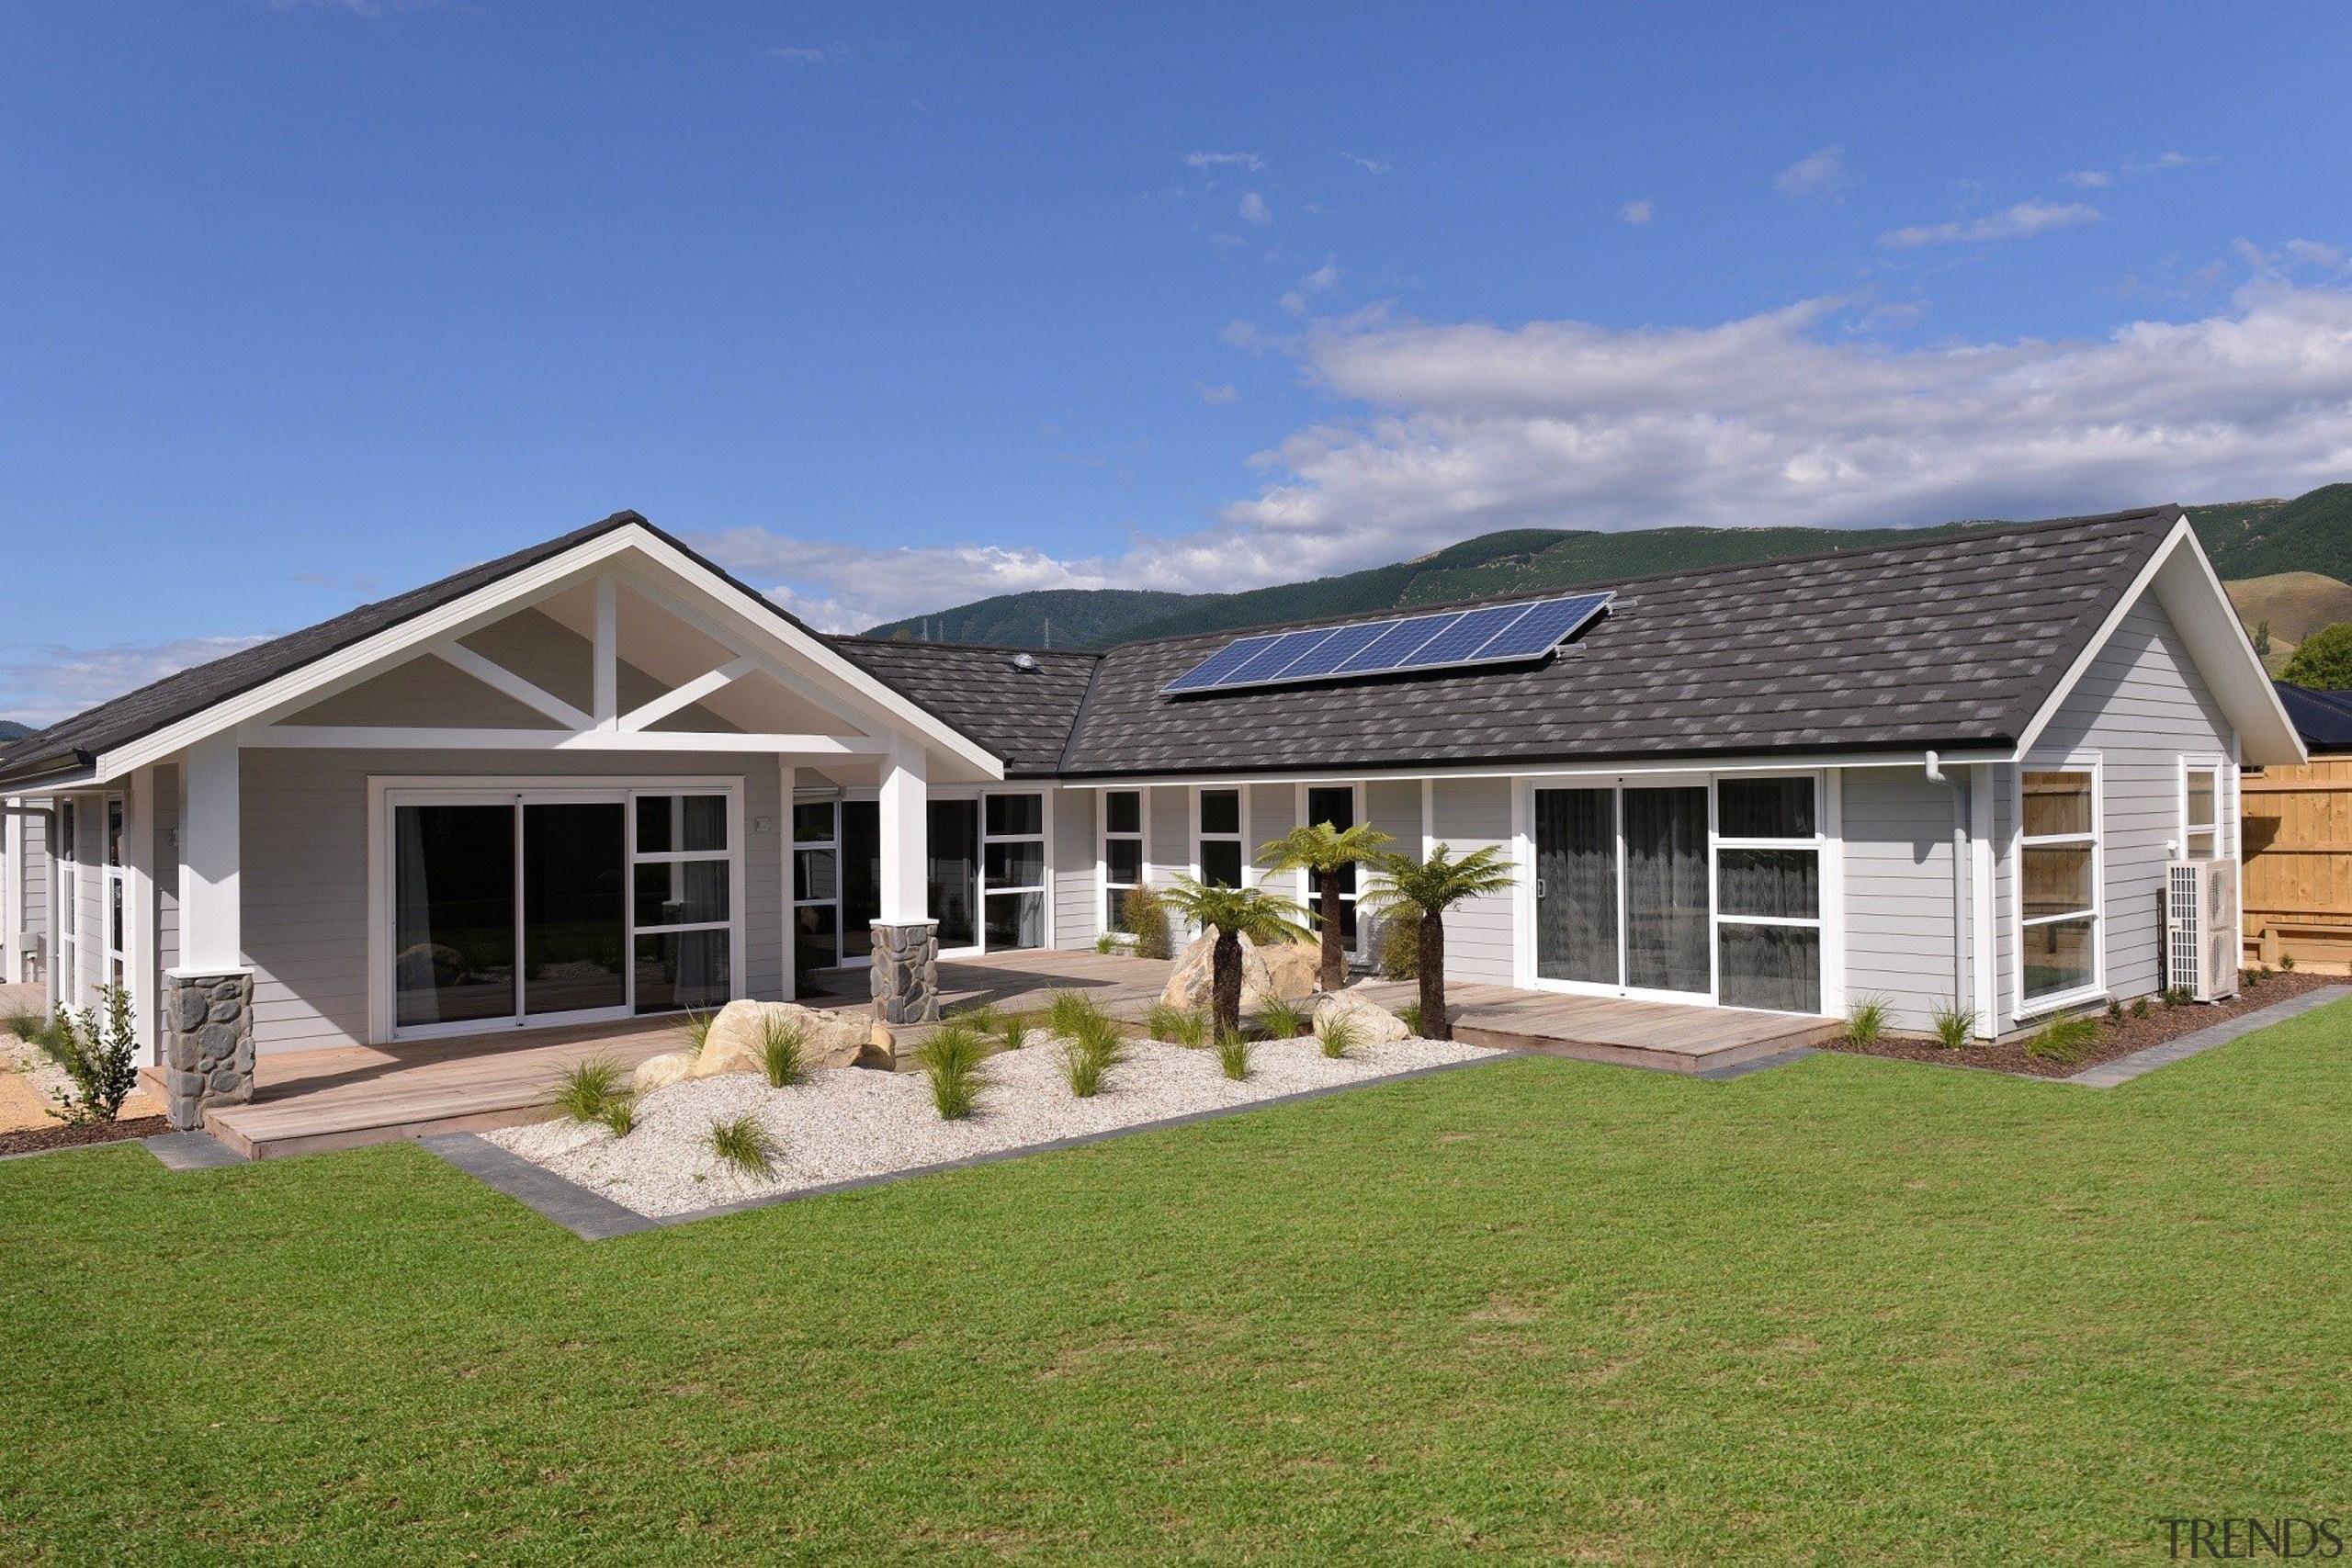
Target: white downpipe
x=1959, y=861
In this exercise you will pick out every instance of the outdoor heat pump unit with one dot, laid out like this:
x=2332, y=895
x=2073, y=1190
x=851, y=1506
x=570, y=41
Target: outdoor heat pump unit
x=2202, y=942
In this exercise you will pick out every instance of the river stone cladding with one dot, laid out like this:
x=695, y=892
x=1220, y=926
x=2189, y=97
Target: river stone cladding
x=906, y=972
x=208, y=1045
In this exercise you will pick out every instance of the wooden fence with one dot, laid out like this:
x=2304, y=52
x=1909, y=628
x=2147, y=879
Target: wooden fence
x=2299, y=865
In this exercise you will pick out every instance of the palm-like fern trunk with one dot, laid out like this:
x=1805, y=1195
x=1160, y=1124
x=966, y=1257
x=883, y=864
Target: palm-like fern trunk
x=1335, y=956
x=1434, y=1024
x=1225, y=983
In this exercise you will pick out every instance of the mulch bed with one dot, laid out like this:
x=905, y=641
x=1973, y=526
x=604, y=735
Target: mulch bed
x=73, y=1135
x=2161, y=1024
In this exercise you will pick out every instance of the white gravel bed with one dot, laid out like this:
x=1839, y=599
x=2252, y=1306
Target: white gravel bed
x=845, y=1123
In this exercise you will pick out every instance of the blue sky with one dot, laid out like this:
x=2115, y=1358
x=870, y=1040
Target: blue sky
x=890, y=307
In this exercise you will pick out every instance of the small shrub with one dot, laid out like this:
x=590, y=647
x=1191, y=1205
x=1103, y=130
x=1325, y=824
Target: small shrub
x=1412, y=1013
x=1106, y=944
x=101, y=1059
x=2265, y=975
x=2115, y=1015
x=2063, y=1040
x=2139, y=1006
x=1400, y=949
x=1282, y=1019
x=587, y=1089
x=1177, y=1026
x=695, y=1030
x=1954, y=1026
x=2287, y=962
x=1145, y=914
x=1339, y=1035
x=951, y=1061
x=745, y=1145
x=1233, y=1056
x=2178, y=996
x=781, y=1052
x=1015, y=1032
x=1866, y=1020
x=1090, y=1050
x=983, y=1018
x=621, y=1116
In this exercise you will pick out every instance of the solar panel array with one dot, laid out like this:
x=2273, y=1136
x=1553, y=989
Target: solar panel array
x=1445, y=639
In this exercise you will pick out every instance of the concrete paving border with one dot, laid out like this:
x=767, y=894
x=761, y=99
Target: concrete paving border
x=192, y=1151
x=2123, y=1069
x=592, y=1216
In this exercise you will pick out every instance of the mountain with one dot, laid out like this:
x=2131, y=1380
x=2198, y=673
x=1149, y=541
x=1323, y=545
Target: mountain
x=11, y=730
x=2247, y=539
x=2293, y=604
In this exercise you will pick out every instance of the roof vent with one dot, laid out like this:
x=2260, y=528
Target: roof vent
x=1022, y=662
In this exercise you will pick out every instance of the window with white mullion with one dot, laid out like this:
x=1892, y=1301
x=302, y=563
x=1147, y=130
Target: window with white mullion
x=681, y=905
x=1013, y=871
x=816, y=885
x=114, y=896
x=1123, y=853
x=2058, y=882
x=1769, y=921
x=65, y=824
x=1217, y=814
x=2201, y=810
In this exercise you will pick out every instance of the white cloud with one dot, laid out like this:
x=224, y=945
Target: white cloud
x=810, y=56
x=1451, y=430
x=1214, y=395
x=2163, y=163
x=1639, y=213
x=2088, y=179
x=1369, y=165
x=2022, y=221
x=1205, y=161
x=1253, y=209
x=60, y=682
x=1820, y=174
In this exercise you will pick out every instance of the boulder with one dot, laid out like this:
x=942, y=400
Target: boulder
x=737, y=1044
x=1372, y=1024
x=660, y=1072
x=1287, y=970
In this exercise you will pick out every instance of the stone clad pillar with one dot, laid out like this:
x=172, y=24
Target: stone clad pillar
x=208, y=1042
x=906, y=972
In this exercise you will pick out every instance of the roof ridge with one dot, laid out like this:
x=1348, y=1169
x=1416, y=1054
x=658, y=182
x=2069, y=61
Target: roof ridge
x=1983, y=531
x=861, y=638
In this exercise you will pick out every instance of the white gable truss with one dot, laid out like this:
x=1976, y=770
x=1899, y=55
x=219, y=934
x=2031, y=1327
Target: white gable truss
x=705, y=665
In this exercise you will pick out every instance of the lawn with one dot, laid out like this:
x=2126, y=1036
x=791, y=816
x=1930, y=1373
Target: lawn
x=1851, y=1309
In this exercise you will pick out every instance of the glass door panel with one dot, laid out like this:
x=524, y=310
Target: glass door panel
x=1666, y=916
x=1576, y=886
x=860, y=877
x=953, y=883
x=575, y=921
x=453, y=914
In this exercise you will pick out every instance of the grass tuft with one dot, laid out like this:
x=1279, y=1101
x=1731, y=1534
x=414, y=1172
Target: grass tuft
x=587, y=1089
x=1867, y=1020
x=621, y=1116
x=781, y=1052
x=1067, y=1013
x=1090, y=1050
x=950, y=1058
x=1340, y=1035
x=1954, y=1026
x=746, y=1144
x=1412, y=1013
x=1015, y=1032
x=1282, y=1019
x=694, y=1028
x=2064, y=1039
x=1177, y=1026
x=1233, y=1056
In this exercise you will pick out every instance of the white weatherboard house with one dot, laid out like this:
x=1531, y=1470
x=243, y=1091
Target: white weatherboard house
x=600, y=778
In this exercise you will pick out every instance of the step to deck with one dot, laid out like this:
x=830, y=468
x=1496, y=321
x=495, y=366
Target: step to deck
x=1690, y=1061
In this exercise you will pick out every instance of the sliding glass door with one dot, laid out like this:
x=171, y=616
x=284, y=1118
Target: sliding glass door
x=453, y=914
x=1709, y=892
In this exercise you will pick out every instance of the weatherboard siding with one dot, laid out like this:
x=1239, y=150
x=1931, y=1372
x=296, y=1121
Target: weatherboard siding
x=1900, y=936
x=1077, y=884
x=163, y=822
x=1465, y=815
x=304, y=823
x=2141, y=706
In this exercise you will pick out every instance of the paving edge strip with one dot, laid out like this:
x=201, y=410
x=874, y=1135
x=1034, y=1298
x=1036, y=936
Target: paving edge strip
x=2123, y=1069
x=192, y=1151
x=592, y=1216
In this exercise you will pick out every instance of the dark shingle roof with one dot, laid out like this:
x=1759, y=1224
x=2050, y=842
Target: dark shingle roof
x=2322, y=718
x=1022, y=716
x=1948, y=642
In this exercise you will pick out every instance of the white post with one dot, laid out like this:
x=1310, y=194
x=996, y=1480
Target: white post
x=785, y=773
x=139, y=916
x=906, y=835
x=212, y=927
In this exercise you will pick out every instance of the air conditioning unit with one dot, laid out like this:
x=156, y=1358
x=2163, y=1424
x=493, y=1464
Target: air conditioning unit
x=2202, y=941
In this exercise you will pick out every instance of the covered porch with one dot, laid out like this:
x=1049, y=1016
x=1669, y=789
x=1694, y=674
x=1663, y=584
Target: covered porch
x=310, y=1101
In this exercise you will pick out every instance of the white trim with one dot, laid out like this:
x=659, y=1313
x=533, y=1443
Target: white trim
x=1832, y=839
x=2093, y=763
x=685, y=696
x=491, y=673
x=371, y=738
x=139, y=875
x=2218, y=766
x=1103, y=837
x=1239, y=839
x=1984, y=932
x=1743, y=763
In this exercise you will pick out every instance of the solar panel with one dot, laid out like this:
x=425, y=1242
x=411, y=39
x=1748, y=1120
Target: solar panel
x=1442, y=639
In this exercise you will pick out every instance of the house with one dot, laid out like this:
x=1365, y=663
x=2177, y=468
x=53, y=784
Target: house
x=2299, y=841
x=601, y=778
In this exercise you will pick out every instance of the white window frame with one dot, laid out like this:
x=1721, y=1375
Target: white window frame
x=65, y=893
x=115, y=913
x=1238, y=837
x=1717, y=842
x=2217, y=829
x=2093, y=763
x=386, y=793
x=1103, y=837
x=832, y=843
x=1043, y=886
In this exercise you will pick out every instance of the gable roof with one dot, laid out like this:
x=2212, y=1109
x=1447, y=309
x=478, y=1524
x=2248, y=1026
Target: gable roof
x=2322, y=718
x=75, y=744
x=1024, y=715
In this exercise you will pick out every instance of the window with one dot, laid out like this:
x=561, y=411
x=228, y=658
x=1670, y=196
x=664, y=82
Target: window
x=1768, y=895
x=1337, y=806
x=1012, y=869
x=1122, y=853
x=64, y=828
x=114, y=890
x=682, y=901
x=816, y=886
x=1221, y=837
x=2201, y=811
x=2058, y=883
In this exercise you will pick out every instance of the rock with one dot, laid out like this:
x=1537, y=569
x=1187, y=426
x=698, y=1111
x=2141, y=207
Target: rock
x=1372, y=1024
x=737, y=1042
x=660, y=1072
x=1286, y=970
x=881, y=1048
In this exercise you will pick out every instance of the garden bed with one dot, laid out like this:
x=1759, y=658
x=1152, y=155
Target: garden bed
x=73, y=1135
x=842, y=1124
x=2161, y=1023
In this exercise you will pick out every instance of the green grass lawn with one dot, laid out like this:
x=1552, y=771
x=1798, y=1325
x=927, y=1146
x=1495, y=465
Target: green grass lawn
x=1847, y=1310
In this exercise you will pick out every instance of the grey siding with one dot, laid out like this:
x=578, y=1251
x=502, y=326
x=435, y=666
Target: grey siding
x=90, y=931
x=1901, y=935
x=304, y=822
x=34, y=837
x=1168, y=833
x=2002, y=781
x=1394, y=806
x=2142, y=707
x=1078, y=890
x=1469, y=814
x=164, y=821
